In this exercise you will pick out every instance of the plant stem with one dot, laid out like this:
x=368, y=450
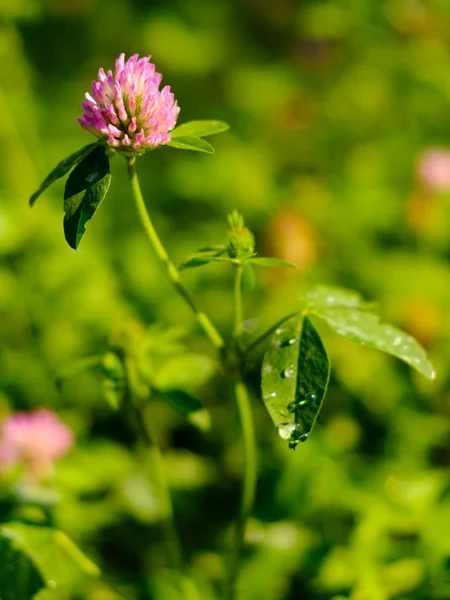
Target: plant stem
x=238, y=311
x=249, y=482
x=147, y=437
x=248, y=440
x=163, y=257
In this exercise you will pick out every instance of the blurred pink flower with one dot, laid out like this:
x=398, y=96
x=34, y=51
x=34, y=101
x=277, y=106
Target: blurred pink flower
x=127, y=109
x=35, y=440
x=433, y=169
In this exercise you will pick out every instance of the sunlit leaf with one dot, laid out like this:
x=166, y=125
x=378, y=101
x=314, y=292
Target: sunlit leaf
x=365, y=328
x=62, y=168
x=191, y=143
x=86, y=187
x=271, y=262
x=329, y=296
x=199, y=129
x=295, y=376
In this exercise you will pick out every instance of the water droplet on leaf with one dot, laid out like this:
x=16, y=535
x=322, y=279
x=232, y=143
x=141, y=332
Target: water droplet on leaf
x=285, y=430
x=290, y=342
x=288, y=373
x=91, y=177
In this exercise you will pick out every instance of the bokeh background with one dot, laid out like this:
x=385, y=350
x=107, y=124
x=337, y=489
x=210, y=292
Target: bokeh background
x=333, y=107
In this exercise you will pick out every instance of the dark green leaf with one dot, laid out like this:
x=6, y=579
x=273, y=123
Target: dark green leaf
x=213, y=250
x=200, y=260
x=62, y=168
x=364, y=328
x=199, y=129
x=183, y=402
x=19, y=577
x=86, y=187
x=191, y=143
x=271, y=262
x=295, y=378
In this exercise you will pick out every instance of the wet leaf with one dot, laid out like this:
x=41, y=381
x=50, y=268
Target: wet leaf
x=86, y=187
x=365, y=328
x=333, y=297
x=199, y=129
x=295, y=378
x=191, y=143
x=62, y=168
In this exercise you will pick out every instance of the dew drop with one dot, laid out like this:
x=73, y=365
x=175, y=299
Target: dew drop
x=267, y=369
x=51, y=583
x=91, y=177
x=397, y=341
x=279, y=331
x=290, y=342
x=288, y=373
x=285, y=430
x=271, y=395
x=310, y=398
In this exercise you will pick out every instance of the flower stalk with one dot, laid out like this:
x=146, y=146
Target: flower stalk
x=163, y=257
x=240, y=389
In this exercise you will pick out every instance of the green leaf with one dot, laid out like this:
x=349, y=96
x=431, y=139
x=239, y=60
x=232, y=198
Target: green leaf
x=295, y=376
x=364, y=328
x=62, y=168
x=58, y=559
x=183, y=402
x=329, y=296
x=199, y=129
x=86, y=187
x=248, y=278
x=19, y=577
x=271, y=262
x=200, y=260
x=191, y=143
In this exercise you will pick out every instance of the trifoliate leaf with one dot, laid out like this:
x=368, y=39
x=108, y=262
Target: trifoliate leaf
x=199, y=129
x=62, y=168
x=86, y=187
x=295, y=377
x=191, y=143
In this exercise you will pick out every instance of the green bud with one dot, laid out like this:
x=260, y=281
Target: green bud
x=240, y=239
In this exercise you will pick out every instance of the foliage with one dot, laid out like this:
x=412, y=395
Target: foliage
x=331, y=105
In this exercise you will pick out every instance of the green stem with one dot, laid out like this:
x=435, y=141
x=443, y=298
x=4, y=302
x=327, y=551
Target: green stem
x=147, y=437
x=249, y=482
x=163, y=257
x=238, y=311
x=248, y=440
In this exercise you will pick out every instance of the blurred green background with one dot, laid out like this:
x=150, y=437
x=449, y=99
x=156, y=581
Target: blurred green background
x=331, y=104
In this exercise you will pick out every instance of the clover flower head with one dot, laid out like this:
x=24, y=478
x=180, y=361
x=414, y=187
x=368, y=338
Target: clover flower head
x=127, y=109
x=34, y=440
x=433, y=169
